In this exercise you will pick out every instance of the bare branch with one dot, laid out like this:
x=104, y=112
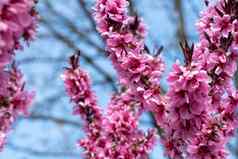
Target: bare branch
x=181, y=31
x=74, y=28
x=88, y=14
x=31, y=151
x=60, y=121
x=70, y=44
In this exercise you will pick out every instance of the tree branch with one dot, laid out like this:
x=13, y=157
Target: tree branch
x=181, y=31
x=69, y=43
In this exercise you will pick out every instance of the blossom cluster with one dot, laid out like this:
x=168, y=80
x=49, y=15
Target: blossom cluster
x=17, y=21
x=188, y=106
x=114, y=135
x=215, y=103
x=14, y=100
x=197, y=116
x=124, y=36
x=218, y=44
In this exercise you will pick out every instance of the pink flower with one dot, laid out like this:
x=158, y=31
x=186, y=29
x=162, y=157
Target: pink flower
x=208, y=151
x=222, y=24
x=116, y=135
x=78, y=87
x=208, y=143
x=14, y=101
x=18, y=20
x=188, y=105
x=196, y=117
x=124, y=36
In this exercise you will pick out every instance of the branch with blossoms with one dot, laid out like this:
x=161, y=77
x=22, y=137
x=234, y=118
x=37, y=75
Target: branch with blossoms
x=117, y=133
x=18, y=21
x=198, y=113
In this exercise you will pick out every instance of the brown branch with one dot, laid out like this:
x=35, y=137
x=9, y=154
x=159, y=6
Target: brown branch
x=57, y=120
x=70, y=44
x=34, y=152
x=89, y=15
x=181, y=30
x=41, y=60
x=132, y=9
x=74, y=28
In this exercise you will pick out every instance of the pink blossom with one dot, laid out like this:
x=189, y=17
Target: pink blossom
x=78, y=87
x=188, y=106
x=208, y=143
x=196, y=117
x=14, y=101
x=218, y=48
x=217, y=40
x=124, y=37
x=116, y=135
x=18, y=20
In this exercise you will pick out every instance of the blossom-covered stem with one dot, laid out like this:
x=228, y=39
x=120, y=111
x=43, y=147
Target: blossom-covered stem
x=218, y=47
x=124, y=36
x=14, y=100
x=187, y=105
x=198, y=114
x=78, y=87
x=116, y=135
x=17, y=21
x=217, y=54
x=121, y=125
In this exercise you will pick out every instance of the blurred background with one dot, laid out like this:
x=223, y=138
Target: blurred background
x=51, y=131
